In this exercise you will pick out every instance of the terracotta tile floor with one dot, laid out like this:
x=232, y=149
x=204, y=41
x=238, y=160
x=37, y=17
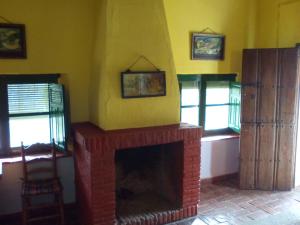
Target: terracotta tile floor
x=224, y=203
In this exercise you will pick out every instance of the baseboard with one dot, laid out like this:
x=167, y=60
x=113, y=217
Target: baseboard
x=217, y=179
x=16, y=217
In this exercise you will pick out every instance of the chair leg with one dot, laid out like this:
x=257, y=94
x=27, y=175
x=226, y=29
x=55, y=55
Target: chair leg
x=61, y=209
x=24, y=210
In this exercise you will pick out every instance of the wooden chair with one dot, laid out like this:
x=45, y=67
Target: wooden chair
x=40, y=178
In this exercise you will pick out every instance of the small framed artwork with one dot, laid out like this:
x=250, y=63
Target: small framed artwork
x=139, y=84
x=208, y=46
x=12, y=41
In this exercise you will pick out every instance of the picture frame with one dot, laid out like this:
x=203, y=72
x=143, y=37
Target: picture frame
x=139, y=84
x=12, y=41
x=208, y=46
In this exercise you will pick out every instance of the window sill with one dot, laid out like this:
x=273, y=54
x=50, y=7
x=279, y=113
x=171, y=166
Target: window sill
x=219, y=137
x=18, y=158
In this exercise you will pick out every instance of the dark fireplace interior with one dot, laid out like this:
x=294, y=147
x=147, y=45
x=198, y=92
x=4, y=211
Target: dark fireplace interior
x=149, y=179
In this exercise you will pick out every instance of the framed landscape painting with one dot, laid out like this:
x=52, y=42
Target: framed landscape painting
x=12, y=41
x=143, y=84
x=208, y=46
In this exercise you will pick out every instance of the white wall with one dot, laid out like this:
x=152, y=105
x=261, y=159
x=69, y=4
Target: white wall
x=10, y=184
x=219, y=157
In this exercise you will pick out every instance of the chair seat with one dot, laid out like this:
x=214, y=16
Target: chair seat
x=42, y=186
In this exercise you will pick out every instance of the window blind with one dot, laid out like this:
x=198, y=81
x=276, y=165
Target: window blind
x=28, y=99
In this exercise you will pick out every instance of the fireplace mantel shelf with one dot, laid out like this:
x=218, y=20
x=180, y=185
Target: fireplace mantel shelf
x=88, y=131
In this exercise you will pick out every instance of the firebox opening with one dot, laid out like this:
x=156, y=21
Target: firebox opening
x=149, y=179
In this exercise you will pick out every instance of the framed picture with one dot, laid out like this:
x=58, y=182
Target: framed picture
x=208, y=46
x=143, y=84
x=12, y=40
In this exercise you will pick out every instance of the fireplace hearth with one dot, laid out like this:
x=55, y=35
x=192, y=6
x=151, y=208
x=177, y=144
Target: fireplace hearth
x=137, y=176
x=148, y=179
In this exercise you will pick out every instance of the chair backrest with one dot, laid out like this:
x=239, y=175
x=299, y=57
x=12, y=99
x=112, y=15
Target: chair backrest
x=39, y=161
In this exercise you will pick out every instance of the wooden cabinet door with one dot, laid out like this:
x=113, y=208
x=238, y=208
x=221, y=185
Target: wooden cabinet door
x=285, y=157
x=287, y=118
x=265, y=157
x=288, y=86
x=249, y=103
x=269, y=117
x=249, y=86
x=247, y=156
x=268, y=64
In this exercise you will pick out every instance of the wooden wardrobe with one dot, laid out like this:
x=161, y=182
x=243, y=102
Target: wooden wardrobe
x=269, y=117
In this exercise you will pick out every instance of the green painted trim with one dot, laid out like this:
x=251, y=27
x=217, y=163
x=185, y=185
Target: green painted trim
x=202, y=104
x=28, y=114
x=220, y=77
x=211, y=105
x=180, y=87
x=29, y=78
x=202, y=79
x=235, y=107
x=189, y=77
x=189, y=106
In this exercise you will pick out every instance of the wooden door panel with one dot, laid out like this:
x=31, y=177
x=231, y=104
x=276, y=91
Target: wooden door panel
x=249, y=102
x=270, y=83
x=268, y=64
x=288, y=67
x=287, y=105
x=247, y=156
x=288, y=83
x=287, y=111
x=266, y=151
x=250, y=66
x=267, y=105
x=285, y=157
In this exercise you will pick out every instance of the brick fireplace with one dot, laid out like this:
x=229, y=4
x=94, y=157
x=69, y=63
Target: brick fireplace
x=137, y=176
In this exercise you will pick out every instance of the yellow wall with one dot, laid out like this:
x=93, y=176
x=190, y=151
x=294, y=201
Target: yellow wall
x=99, y=68
x=126, y=30
x=92, y=41
x=234, y=19
x=279, y=22
x=59, y=40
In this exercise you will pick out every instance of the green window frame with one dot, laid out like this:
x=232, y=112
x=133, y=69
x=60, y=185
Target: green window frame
x=29, y=96
x=235, y=107
x=196, y=81
x=202, y=81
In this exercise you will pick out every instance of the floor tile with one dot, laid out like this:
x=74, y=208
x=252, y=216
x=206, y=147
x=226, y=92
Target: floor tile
x=224, y=203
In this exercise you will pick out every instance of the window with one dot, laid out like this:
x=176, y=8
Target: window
x=190, y=101
x=211, y=101
x=32, y=111
x=216, y=105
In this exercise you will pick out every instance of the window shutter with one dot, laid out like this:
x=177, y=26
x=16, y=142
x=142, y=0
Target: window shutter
x=28, y=99
x=235, y=106
x=58, y=130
